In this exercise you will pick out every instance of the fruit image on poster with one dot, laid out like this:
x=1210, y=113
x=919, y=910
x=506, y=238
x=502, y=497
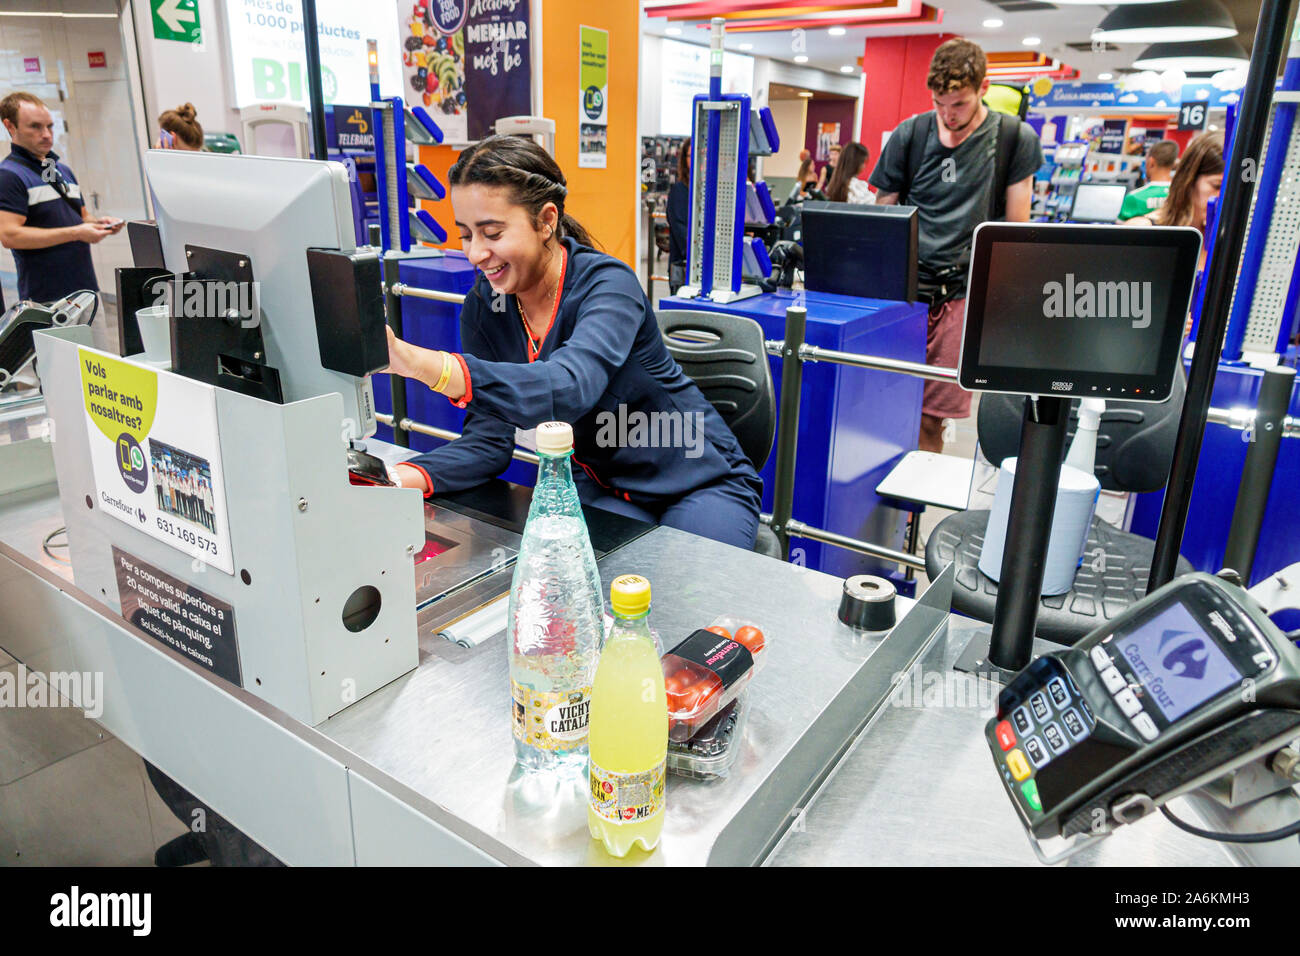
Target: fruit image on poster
x=468, y=62
x=432, y=37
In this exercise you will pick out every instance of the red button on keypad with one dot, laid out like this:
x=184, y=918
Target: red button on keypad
x=1006, y=736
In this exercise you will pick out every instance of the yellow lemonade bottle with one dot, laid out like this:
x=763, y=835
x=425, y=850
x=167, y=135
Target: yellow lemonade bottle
x=628, y=727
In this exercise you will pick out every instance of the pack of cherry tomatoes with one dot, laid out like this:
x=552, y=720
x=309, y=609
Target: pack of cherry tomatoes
x=708, y=670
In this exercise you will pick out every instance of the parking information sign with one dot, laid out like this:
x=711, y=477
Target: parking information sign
x=155, y=455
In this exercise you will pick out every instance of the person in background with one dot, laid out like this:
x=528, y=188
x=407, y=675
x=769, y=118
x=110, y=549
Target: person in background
x=678, y=209
x=1197, y=180
x=43, y=217
x=805, y=179
x=845, y=184
x=960, y=165
x=1159, y=165
x=178, y=129
x=829, y=169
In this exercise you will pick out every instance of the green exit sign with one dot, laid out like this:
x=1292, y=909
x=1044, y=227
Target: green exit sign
x=176, y=20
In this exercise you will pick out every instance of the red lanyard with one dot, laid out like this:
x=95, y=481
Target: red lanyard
x=535, y=345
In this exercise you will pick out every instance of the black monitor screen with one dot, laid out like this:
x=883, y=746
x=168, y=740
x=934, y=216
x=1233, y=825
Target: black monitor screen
x=862, y=250
x=1079, y=310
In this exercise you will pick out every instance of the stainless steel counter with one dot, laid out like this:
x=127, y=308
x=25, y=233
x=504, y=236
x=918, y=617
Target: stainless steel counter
x=918, y=787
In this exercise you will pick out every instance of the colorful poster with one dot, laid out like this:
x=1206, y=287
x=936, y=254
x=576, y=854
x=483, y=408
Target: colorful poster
x=498, y=49
x=1112, y=135
x=468, y=62
x=593, y=88
x=155, y=455
x=828, y=135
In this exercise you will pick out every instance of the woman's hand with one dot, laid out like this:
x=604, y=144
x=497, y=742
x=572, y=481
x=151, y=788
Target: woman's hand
x=405, y=359
x=409, y=477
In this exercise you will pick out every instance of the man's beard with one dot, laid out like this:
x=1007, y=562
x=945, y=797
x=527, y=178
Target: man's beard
x=966, y=125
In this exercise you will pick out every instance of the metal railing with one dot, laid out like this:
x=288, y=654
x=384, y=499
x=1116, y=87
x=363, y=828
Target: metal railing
x=793, y=351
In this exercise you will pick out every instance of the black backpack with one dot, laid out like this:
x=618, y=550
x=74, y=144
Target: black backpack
x=1008, y=130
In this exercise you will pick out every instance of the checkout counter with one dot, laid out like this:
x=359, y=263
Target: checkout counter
x=343, y=729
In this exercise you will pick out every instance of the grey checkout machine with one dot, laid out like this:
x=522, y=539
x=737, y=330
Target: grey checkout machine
x=207, y=492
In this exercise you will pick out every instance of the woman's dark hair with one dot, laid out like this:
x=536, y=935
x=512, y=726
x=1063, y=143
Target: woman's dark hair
x=181, y=123
x=527, y=170
x=684, y=162
x=851, y=159
x=1204, y=157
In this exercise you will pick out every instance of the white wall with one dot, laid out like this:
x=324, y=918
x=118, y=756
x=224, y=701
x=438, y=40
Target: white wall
x=791, y=118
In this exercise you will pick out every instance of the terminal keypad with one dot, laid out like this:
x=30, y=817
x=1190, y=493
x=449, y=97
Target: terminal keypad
x=1047, y=723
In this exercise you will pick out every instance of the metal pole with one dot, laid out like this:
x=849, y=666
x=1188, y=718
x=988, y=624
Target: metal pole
x=935, y=373
x=396, y=384
x=1239, y=183
x=797, y=529
x=787, y=424
x=1257, y=475
x=1029, y=526
x=650, y=257
x=315, y=93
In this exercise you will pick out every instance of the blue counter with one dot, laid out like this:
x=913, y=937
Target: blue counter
x=855, y=424
x=1218, y=478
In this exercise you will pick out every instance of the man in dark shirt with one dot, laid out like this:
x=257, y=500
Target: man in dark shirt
x=43, y=217
x=959, y=165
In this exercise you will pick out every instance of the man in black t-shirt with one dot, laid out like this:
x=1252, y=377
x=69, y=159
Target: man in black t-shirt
x=43, y=217
x=960, y=165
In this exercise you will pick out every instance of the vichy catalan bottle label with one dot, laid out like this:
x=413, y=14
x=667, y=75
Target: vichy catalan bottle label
x=551, y=720
x=627, y=797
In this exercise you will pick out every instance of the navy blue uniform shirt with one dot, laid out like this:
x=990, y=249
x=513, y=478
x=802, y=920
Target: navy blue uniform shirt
x=29, y=189
x=603, y=368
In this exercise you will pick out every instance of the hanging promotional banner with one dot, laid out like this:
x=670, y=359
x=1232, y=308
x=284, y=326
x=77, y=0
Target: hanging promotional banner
x=268, y=56
x=155, y=456
x=1049, y=95
x=468, y=62
x=1112, y=135
x=593, y=89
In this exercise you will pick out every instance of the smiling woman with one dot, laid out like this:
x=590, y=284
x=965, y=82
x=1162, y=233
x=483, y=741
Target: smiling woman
x=555, y=330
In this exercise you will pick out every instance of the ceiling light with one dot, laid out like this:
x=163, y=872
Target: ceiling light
x=806, y=93
x=1204, y=57
x=837, y=31
x=747, y=46
x=801, y=58
x=674, y=31
x=846, y=69
x=1032, y=41
x=1105, y=76
x=55, y=13
x=1174, y=22
x=992, y=24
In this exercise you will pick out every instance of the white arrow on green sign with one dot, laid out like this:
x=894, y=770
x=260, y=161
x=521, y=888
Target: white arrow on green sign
x=176, y=20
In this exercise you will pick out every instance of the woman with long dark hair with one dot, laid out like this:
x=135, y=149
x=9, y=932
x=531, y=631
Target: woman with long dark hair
x=844, y=185
x=554, y=330
x=1198, y=178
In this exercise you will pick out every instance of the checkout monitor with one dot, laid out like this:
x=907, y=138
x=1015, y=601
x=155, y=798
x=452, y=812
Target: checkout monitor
x=862, y=250
x=271, y=210
x=1097, y=202
x=1086, y=311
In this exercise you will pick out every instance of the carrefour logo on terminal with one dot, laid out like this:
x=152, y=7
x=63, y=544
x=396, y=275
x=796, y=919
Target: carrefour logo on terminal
x=1085, y=299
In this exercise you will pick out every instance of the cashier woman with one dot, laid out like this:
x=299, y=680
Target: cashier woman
x=554, y=330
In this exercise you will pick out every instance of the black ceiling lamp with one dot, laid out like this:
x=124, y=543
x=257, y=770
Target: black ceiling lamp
x=1205, y=56
x=1180, y=21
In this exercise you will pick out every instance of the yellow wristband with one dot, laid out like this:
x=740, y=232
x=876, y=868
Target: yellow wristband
x=445, y=377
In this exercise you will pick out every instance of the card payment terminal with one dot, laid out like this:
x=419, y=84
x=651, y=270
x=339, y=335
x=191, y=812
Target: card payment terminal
x=1186, y=685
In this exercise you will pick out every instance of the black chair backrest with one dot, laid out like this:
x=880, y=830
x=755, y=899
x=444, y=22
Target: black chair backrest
x=1135, y=442
x=724, y=355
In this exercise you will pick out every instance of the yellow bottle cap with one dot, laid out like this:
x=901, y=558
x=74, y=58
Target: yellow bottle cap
x=629, y=595
x=555, y=438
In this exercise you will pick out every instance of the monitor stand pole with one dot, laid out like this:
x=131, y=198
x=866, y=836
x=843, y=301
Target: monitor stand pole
x=1029, y=525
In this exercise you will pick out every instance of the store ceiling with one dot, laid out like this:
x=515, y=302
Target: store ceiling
x=780, y=91
x=1057, y=27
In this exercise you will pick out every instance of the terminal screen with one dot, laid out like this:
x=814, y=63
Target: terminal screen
x=1091, y=308
x=1178, y=663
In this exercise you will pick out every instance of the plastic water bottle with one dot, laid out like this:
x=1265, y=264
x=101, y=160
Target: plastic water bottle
x=554, y=618
x=629, y=727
